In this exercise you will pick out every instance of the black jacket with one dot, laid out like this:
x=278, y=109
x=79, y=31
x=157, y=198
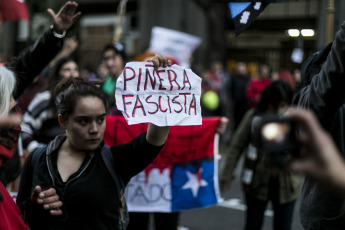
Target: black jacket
x=89, y=195
x=321, y=209
x=32, y=61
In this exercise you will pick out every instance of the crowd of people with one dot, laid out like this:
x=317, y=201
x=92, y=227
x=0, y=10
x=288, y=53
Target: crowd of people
x=58, y=110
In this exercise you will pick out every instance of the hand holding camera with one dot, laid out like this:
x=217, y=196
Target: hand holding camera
x=319, y=158
x=277, y=137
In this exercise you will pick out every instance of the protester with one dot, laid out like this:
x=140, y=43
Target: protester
x=263, y=180
x=218, y=78
x=325, y=95
x=296, y=74
x=75, y=168
x=114, y=57
x=40, y=124
x=237, y=88
x=257, y=85
x=286, y=76
x=10, y=215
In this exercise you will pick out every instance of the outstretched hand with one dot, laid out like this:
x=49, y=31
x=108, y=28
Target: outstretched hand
x=65, y=18
x=48, y=198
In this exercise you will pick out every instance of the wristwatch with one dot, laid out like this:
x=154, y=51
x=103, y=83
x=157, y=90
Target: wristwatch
x=56, y=34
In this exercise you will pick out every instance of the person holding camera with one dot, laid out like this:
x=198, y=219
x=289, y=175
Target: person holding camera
x=263, y=177
x=325, y=96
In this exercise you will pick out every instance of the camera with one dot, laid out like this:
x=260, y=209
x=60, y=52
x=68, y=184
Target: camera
x=277, y=137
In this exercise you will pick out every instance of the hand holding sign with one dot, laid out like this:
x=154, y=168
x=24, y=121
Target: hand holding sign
x=165, y=96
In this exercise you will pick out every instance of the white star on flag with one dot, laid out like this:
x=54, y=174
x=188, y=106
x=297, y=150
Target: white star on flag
x=194, y=183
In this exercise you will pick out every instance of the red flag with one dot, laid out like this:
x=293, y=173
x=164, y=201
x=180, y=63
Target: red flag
x=13, y=10
x=183, y=141
x=9, y=212
x=184, y=174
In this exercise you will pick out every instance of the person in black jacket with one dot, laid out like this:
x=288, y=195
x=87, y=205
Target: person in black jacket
x=325, y=95
x=72, y=164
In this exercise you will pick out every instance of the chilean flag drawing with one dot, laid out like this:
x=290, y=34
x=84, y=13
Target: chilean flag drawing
x=183, y=176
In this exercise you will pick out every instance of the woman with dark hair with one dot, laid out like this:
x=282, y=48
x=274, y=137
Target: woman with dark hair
x=39, y=123
x=262, y=180
x=81, y=168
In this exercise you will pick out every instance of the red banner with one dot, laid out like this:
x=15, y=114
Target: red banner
x=184, y=174
x=185, y=143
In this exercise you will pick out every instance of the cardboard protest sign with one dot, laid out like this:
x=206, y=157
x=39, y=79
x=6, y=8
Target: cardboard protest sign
x=167, y=97
x=183, y=176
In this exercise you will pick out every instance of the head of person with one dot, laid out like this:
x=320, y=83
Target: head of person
x=81, y=106
x=241, y=68
x=275, y=98
x=9, y=133
x=286, y=76
x=7, y=87
x=64, y=68
x=264, y=72
x=114, y=57
x=217, y=66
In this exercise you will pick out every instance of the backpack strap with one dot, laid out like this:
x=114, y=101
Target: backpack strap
x=108, y=158
x=36, y=155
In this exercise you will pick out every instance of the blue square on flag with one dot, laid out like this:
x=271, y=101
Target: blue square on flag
x=193, y=185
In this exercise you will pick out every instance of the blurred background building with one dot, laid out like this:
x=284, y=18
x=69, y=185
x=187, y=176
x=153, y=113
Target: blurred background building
x=265, y=41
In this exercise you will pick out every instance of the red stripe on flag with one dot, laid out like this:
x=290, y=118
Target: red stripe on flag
x=184, y=144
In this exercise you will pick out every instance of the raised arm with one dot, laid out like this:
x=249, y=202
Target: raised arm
x=326, y=93
x=32, y=60
x=157, y=135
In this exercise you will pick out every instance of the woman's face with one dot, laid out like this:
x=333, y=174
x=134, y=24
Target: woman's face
x=69, y=69
x=114, y=63
x=85, y=126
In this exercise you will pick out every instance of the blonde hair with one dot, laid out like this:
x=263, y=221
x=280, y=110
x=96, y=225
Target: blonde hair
x=7, y=86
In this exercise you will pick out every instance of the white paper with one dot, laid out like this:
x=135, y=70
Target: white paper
x=175, y=43
x=167, y=97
